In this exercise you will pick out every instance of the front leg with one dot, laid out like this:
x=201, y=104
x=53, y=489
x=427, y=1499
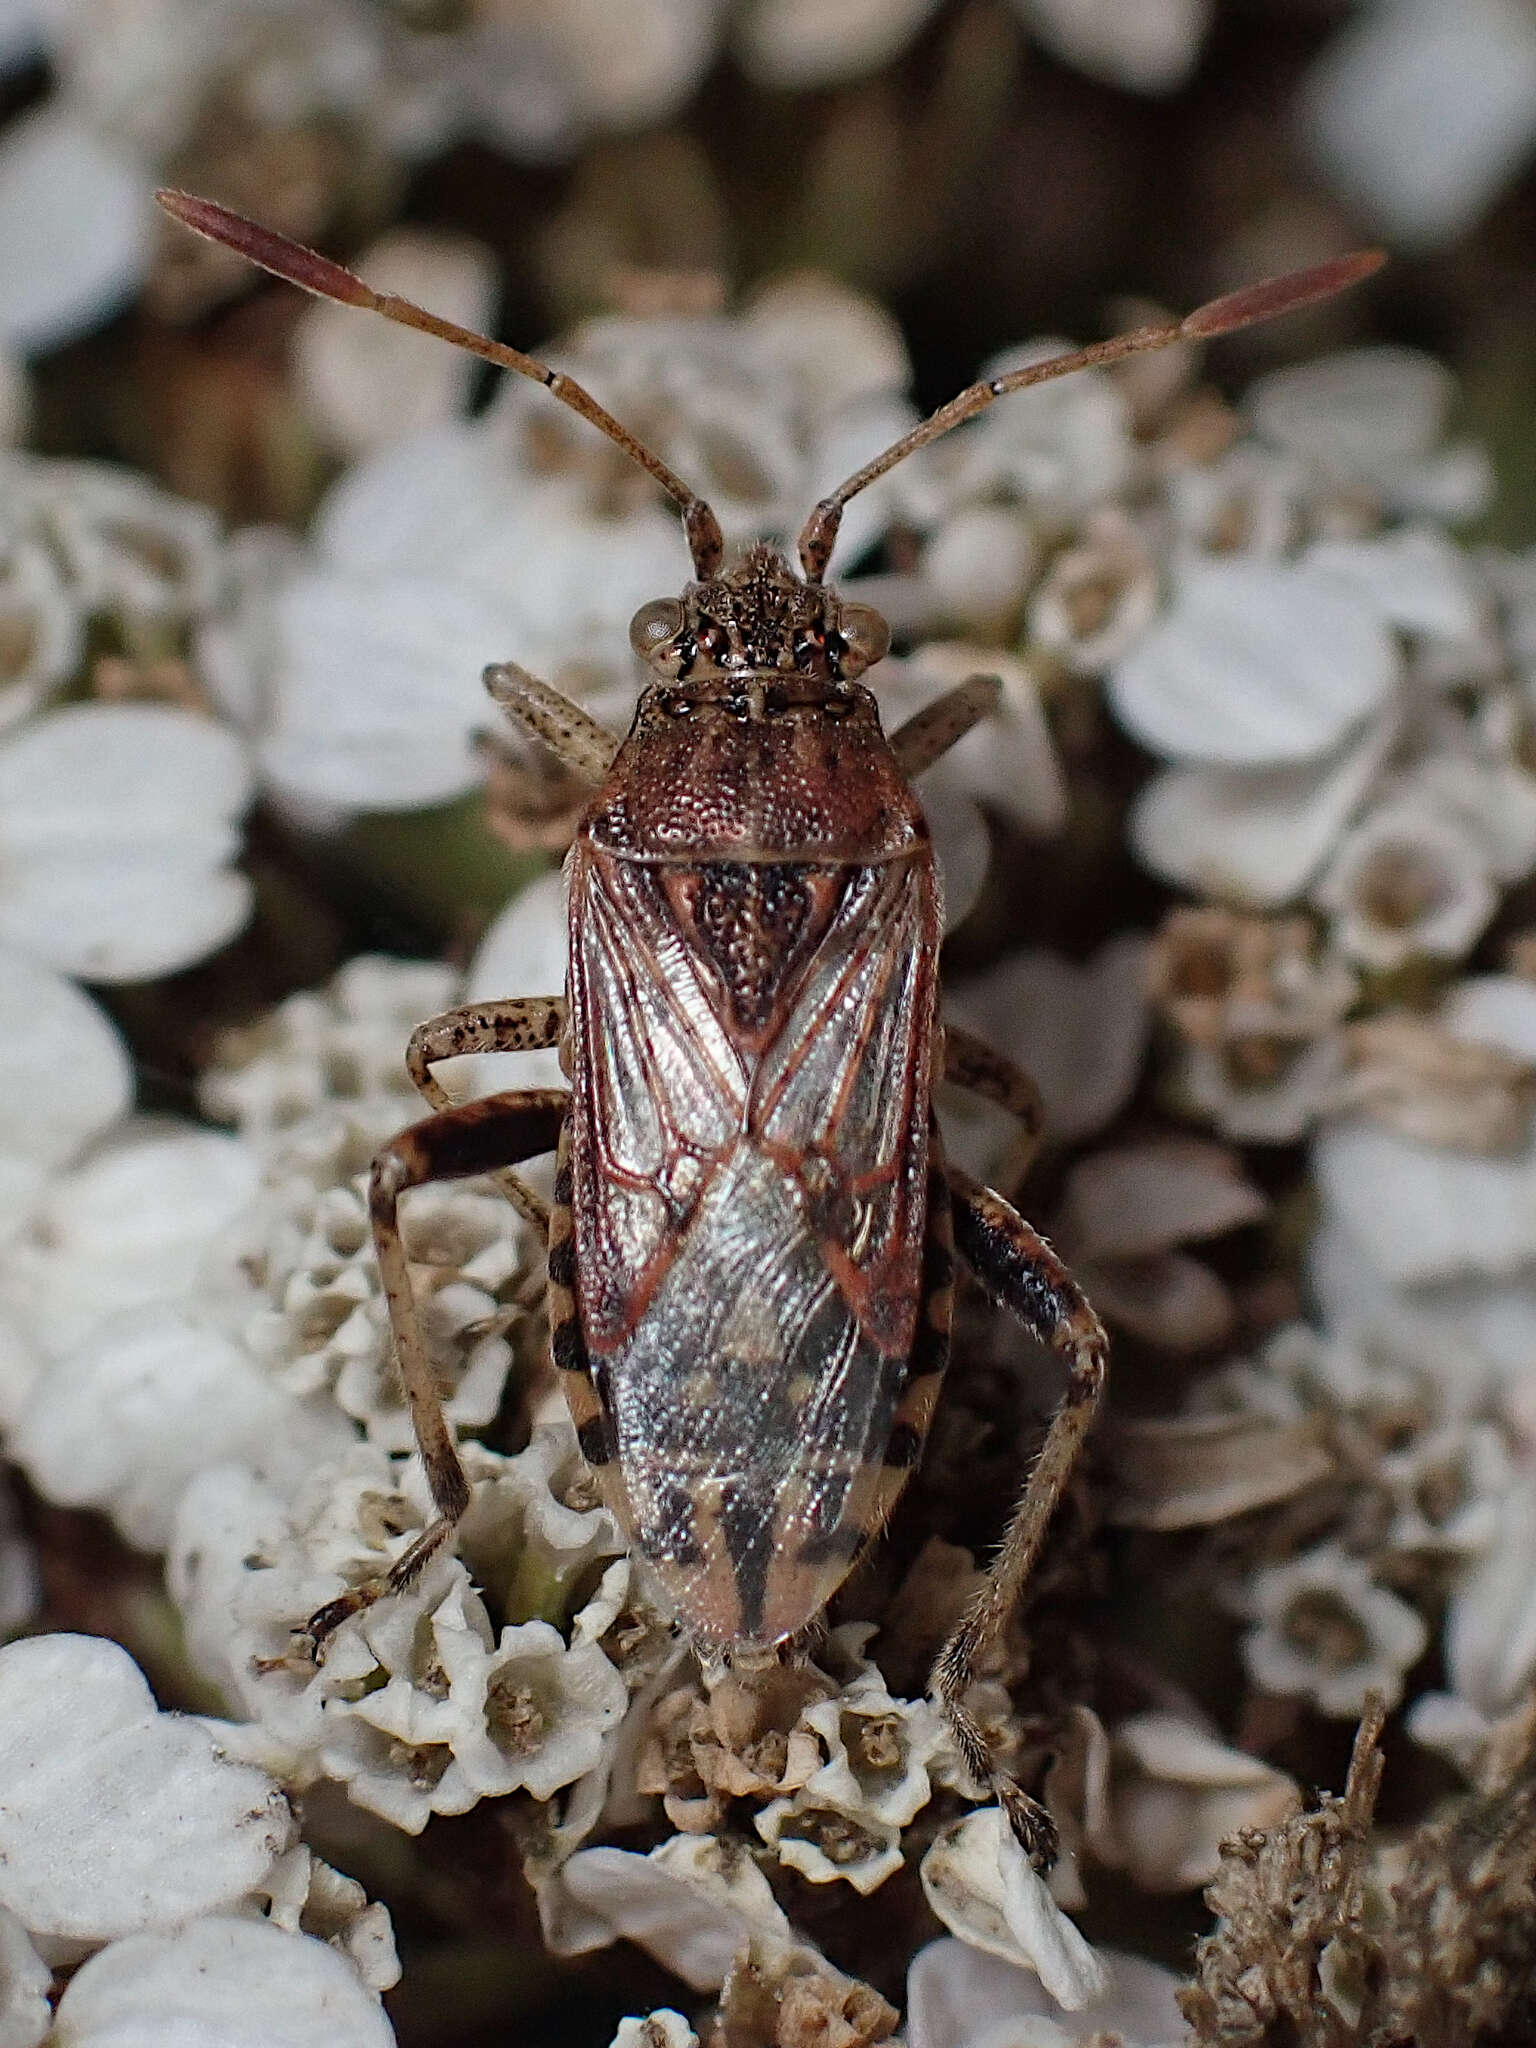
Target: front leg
x=1023, y=1275
x=572, y=735
x=473, y=1138
x=934, y=730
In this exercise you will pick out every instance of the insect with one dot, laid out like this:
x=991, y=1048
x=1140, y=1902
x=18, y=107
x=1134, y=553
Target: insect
x=753, y=1243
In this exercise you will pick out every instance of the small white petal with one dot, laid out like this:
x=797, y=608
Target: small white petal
x=1255, y=664
x=1146, y=46
x=378, y=691
x=124, y=1422
x=959, y=1999
x=115, y=820
x=983, y=1887
x=800, y=43
x=132, y=1225
x=1421, y=111
x=25, y=1981
x=65, y=1076
x=979, y=563
x=368, y=382
x=221, y=1983
x=693, y=1903
x=1490, y=1629
x=1422, y=1213
x=1371, y=418
x=1133, y=1201
x=114, y=1816
x=1080, y=1031
x=1252, y=837
x=75, y=227
x=1417, y=578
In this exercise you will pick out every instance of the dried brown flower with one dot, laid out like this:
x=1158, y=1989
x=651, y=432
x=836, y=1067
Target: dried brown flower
x=778, y=1997
x=1290, y=1929
x=1422, y=1082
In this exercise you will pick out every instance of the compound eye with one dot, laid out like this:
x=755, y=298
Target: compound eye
x=654, y=625
x=866, y=638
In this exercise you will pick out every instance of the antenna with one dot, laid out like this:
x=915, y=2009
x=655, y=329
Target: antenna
x=315, y=273
x=1264, y=301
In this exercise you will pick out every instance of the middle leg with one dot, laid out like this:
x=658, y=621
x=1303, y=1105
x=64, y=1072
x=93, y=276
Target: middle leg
x=457, y=1144
x=974, y=1065
x=505, y=1024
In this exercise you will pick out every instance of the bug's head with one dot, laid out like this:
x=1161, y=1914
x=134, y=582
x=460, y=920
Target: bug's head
x=758, y=618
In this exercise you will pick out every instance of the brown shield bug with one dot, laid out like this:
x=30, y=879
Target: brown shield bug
x=754, y=1237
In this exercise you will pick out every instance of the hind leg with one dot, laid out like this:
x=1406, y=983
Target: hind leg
x=1023, y=1275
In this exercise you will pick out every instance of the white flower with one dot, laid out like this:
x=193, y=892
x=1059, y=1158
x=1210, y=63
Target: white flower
x=878, y=1752
x=824, y=1843
x=367, y=383
x=76, y=227
x=148, y=562
x=1255, y=665
x=221, y=1983
x=1098, y=597
x=663, y=2028
x=415, y=1708
x=1407, y=881
x=306, y=1896
x=115, y=1817
x=984, y=1888
x=1326, y=1630
x=340, y=1046
x=64, y=1079
x=1421, y=110
x=959, y=1999
x=117, y=829
x=1061, y=447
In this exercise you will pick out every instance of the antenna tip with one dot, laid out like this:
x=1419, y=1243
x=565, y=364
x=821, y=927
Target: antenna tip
x=1273, y=296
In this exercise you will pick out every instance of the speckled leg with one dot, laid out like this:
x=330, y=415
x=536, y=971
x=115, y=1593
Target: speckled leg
x=507, y=1024
x=1022, y=1274
x=570, y=733
x=934, y=730
x=973, y=1064
x=471, y=1138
